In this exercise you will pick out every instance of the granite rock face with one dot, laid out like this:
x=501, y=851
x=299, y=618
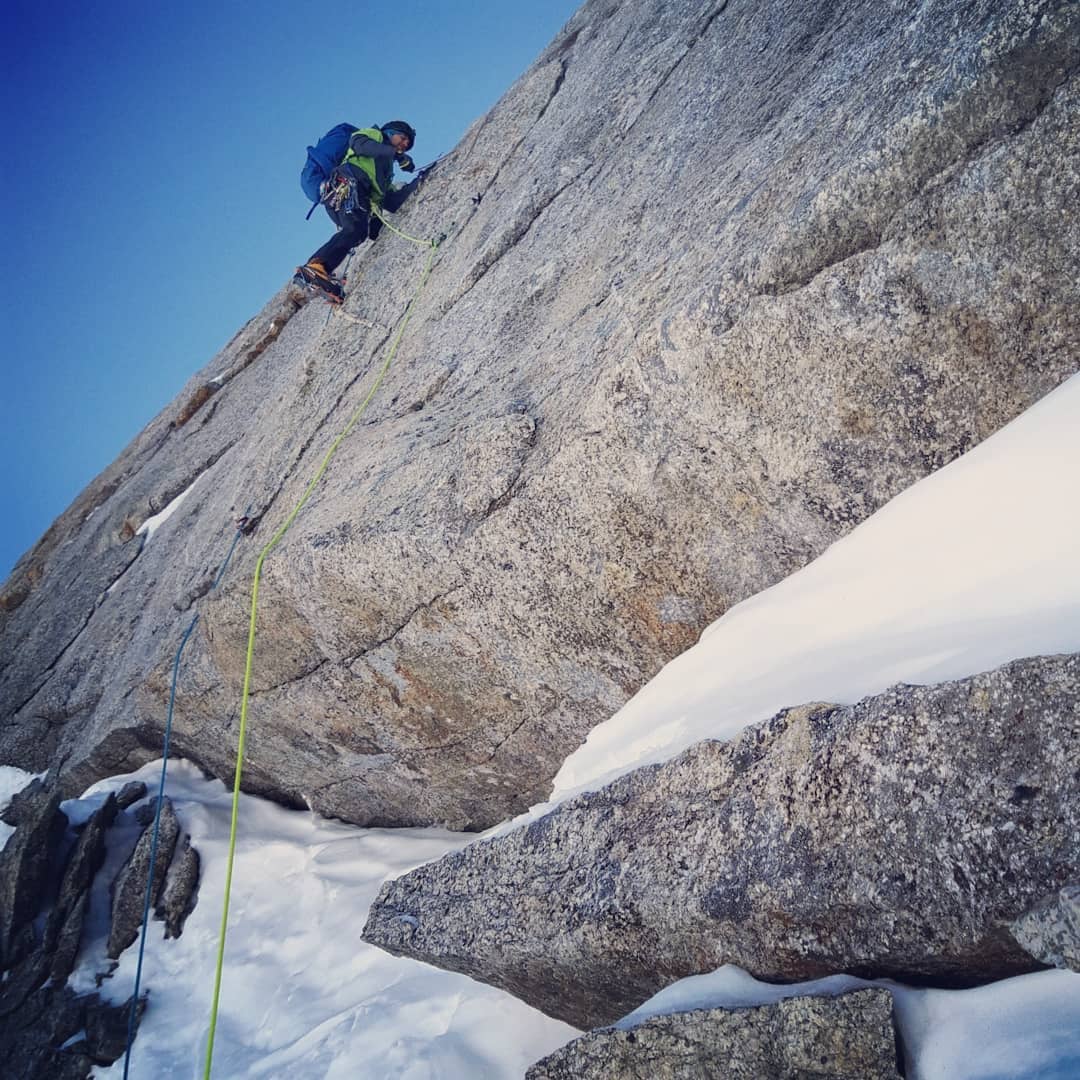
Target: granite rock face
x=850, y=1037
x=736, y=274
x=897, y=837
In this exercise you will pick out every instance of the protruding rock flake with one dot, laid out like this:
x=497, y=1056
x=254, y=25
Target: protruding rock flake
x=891, y=838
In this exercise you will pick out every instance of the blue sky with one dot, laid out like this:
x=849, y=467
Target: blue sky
x=150, y=196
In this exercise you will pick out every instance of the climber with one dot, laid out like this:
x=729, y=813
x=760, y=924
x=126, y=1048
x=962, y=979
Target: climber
x=359, y=182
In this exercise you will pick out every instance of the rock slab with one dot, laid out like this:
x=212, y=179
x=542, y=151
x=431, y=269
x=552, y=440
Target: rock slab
x=850, y=1037
x=896, y=837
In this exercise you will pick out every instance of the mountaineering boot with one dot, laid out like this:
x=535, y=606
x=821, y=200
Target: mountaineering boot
x=313, y=274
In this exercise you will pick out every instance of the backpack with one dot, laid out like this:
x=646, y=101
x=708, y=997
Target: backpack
x=323, y=158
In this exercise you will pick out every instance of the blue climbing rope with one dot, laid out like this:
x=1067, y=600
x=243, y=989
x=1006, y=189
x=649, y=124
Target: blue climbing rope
x=133, y=1013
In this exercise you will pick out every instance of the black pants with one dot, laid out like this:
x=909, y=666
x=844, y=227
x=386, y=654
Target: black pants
x=355, y=226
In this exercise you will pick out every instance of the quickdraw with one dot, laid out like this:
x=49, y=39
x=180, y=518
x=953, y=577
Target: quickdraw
x=339, y=192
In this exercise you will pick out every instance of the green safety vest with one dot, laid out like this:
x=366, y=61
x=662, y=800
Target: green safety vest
x=367, y=164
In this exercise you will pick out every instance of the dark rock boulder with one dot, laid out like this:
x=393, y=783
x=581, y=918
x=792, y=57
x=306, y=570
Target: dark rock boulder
x=129, y=889
x=130, y=794
x=896, y=837
x=107, y=1028
x=25, y=864
x=178, y=897
x=850, y=1037
x=24, y=804
x=31, y=1036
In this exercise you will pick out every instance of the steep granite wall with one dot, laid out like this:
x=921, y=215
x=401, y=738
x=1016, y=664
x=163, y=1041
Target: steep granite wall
x=720, y=279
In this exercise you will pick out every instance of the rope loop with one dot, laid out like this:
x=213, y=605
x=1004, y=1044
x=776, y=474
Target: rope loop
x=432, y=243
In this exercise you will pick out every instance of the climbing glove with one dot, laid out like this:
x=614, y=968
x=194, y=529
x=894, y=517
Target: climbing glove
x=405, y=163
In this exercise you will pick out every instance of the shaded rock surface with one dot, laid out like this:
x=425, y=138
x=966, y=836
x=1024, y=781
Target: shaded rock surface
x=25, y=863
x=129, y=889
x=738, y=273
x=896, y=837
x=850, y=1037
x=64, y=925
x=31, y=1036
x=46, y=888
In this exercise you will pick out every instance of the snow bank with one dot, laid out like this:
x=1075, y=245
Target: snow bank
x=302, y=996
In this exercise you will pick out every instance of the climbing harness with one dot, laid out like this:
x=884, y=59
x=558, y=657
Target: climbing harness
x=433, y=246
x=134, y=1012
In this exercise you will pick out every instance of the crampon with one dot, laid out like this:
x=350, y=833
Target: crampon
x=329, y=288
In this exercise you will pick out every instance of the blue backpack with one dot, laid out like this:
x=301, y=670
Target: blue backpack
x=323, y=158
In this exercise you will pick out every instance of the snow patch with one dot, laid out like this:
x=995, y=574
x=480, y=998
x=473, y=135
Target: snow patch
x=152, y=524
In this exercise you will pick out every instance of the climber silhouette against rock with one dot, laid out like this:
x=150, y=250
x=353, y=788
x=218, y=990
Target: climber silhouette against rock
x=360, y=181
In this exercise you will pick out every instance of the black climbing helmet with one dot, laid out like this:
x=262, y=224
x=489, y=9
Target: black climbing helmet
x=403, y=128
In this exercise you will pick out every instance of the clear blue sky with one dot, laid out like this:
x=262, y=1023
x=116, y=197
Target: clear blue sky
x=150, y=195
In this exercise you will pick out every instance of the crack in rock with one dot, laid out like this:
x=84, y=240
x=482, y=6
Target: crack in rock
x=290, y=681
x=422, y=606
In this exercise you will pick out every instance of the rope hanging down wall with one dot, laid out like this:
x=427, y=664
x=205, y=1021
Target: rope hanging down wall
x=271, y=544
x=134, y=1012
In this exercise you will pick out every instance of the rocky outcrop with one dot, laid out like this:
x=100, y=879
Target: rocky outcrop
x=46, y=884
x=896, y=837
x=177, y=899
x=25, y=864
x=64, y=925
x=40, y=1040
x=721, y=278
x=843, y=1038
x=176, y=875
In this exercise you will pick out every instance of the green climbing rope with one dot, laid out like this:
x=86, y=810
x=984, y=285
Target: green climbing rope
x=271, y=544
